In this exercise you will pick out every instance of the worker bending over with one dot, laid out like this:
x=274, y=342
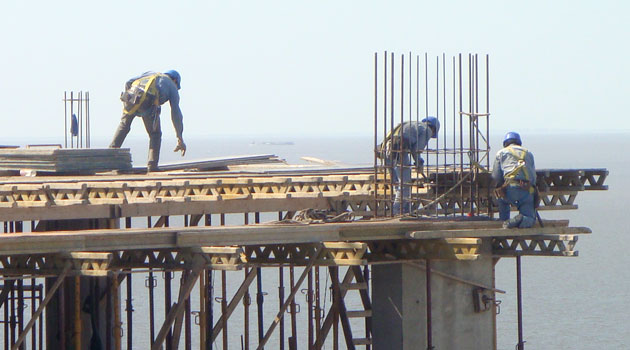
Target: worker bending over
x=515, y=174
x=404, y=143
x=143, y=97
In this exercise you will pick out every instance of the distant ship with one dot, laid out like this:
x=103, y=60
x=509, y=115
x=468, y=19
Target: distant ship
x=282, y=143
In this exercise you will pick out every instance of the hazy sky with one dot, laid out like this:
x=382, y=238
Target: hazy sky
x=306, y=68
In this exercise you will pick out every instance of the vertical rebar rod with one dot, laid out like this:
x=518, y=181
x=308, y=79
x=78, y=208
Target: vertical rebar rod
x=80, y=112
x=454, y=168
x=461, y=139
x=403, y=151
x=437, y=115
x=375, y=133
x=426, y=106
x=429, y=317
x=519, y=303
x=490, y=209
x=383, y=162
x=417, y=204
x=477, y=132
x=71, y=113
x=392, y=128
x=471, y=129
x=65, y=119
x=444, y=123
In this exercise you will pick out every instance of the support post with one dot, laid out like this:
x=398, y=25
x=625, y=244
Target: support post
x=519, y=303
x=40, y=309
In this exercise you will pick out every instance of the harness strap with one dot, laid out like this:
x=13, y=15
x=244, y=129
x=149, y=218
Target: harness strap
x=147, y=84
x=520, y=155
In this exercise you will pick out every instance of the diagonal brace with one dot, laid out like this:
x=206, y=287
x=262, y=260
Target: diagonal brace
x=178, y=308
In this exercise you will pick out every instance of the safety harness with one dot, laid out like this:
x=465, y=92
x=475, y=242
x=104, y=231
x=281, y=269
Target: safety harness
x=510, y=177
x=142, y=93
x=392, y=142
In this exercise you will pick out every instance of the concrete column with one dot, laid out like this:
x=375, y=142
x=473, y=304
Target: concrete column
x=399, y=305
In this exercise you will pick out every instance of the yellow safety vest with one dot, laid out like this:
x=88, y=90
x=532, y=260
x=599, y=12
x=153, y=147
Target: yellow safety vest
x=145, y=86
x=520, y=155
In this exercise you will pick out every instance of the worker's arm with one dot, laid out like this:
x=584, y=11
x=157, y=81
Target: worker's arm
x=177, y=119
x=497, y=173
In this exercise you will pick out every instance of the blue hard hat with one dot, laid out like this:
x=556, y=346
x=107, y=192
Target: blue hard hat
x=511, y=137
x=434, y=124
x=175, y=76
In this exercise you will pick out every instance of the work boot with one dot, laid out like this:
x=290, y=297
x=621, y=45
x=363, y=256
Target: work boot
x=513, y=222
x=527, y=222
x=152, y=167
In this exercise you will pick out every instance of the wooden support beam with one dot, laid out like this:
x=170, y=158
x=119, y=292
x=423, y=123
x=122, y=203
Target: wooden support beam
x=178, y=308
x=49, y=295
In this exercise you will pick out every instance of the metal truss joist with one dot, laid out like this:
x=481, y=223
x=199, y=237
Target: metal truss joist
x=333, y=253
x=81, y=263
x=444, y=248
x=540, y=245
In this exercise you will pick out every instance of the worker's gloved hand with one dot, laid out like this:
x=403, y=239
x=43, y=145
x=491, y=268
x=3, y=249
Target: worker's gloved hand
x=499, y=192
x=181, y=146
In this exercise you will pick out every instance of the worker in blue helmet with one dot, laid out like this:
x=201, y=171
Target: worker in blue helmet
x=402, y=145
x=514, y=173
x=143, y=97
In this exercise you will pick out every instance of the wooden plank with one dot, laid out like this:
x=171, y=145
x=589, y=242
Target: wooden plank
x=497, y=232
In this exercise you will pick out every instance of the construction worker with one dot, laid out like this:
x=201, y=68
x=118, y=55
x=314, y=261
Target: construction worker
x=143, y=97
x=406, y=142
x=515, y=174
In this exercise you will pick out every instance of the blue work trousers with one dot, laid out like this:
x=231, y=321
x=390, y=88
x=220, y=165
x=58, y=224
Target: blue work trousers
x=524, y=201
x=402, y=190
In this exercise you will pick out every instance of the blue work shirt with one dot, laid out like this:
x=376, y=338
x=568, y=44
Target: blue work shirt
x=507, y=160
x=167, y=90
x=416, y=136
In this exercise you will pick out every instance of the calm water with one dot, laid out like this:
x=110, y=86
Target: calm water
x=569, y=303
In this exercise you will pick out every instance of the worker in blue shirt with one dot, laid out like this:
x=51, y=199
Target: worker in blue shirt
x=515, y=174
x=403, y=144
x=143, y=97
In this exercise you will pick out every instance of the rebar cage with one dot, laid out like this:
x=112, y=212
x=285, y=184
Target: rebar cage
x=456, y=162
